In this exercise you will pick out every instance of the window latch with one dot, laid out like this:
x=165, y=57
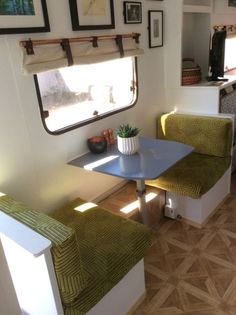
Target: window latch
x=133, y=86
x=45, y=114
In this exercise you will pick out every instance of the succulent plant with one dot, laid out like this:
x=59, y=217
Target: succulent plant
x=127, y=131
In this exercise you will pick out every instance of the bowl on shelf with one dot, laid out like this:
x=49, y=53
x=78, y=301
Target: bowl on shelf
x=97, y=144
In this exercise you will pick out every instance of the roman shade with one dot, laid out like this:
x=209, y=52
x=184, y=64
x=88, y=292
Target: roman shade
x=45, y=55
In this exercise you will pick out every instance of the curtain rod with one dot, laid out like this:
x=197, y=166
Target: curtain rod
x=231, y=27
x=24, y=43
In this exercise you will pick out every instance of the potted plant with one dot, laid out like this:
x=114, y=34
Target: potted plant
x=127, y=139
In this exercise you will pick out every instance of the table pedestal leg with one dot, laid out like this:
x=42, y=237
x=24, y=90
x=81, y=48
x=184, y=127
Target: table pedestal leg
x=141, y=190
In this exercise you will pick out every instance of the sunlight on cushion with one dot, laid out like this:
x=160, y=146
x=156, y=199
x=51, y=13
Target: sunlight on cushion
x=2, y=194
x=86, y=206
x=164, y=118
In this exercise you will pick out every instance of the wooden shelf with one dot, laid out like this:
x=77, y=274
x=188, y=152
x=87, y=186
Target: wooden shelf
x=197, y=9
x=213, y=84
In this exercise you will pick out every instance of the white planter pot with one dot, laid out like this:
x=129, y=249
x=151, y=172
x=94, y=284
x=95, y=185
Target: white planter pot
x=128, y=146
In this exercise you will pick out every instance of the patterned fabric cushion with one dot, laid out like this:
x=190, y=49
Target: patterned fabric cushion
x=110, y=246
x=193, y=176
x=197, y=173
x=91, y=251
x=228, y=105
x=71, y=276
x=208, y=135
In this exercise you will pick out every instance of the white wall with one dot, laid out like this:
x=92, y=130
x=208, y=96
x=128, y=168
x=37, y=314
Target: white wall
x=222, y=13
x=8, y=301
x=33, y=163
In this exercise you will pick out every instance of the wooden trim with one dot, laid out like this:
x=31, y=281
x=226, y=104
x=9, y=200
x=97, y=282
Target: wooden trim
x=137, y=304
x=21, y=234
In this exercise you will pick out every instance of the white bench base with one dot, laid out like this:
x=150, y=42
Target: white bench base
x=197, y=211
x=125, y=296
x=32, y=272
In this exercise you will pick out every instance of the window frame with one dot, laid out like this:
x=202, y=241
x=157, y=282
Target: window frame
x=88, y=121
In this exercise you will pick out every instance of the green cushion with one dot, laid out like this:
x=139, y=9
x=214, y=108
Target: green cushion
x=71, y=276
x=208, y=135
x=193, y=176
x=110, y=246
x=91, y=251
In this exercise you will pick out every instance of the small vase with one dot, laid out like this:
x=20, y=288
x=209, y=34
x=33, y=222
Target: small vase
x=128, y=146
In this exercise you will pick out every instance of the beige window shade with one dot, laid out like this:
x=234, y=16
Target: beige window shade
x=231, y=34
x=40, y=56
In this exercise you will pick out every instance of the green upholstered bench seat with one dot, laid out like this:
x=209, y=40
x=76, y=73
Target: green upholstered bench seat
x=197, y=173
x=91, y=251
x=110, y=246
x=193, y=176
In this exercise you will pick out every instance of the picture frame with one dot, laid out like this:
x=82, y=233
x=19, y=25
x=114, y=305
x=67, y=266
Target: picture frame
x=155, y=28
x=28, y=17
x=232, y=3
x=92, y=15
x=132, y=12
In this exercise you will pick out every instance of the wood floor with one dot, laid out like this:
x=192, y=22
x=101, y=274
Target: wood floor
x=193, y=271
x=124, y=203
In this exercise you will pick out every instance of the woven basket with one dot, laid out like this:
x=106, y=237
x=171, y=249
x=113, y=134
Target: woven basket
x=191, y=73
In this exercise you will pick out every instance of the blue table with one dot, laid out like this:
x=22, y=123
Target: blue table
x=153, y=159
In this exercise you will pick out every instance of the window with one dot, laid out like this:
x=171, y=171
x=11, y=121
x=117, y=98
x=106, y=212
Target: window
x=74, y=96
x=230, y=52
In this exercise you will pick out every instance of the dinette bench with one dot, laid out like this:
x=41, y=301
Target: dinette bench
x=196, y=185
x=95, y=256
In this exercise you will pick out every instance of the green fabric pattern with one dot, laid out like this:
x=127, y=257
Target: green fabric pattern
x=208, y=135
x=197, y=173
x=92, y=251
x=193, y=176
x=110, y=246
x=71, y=276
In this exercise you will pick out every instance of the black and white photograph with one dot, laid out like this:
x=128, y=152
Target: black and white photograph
x=232, y=3
x=132, y=12
x=155, y=27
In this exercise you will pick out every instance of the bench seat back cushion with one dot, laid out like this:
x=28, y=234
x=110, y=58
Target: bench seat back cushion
x=193, y=176
x=70, y=273
x=208, y=135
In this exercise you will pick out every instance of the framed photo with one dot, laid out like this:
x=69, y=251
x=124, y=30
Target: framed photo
x=92, y=14
x=232, y=3
x=27, y=16
x=155, y=28
x=132, y=12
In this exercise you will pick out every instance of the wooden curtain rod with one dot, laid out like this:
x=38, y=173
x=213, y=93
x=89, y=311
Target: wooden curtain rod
x=24, y=43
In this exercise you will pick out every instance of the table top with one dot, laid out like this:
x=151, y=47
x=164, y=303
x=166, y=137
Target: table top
x=153, y=158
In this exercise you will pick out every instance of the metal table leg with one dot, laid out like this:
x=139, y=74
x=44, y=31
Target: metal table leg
x=141, y=192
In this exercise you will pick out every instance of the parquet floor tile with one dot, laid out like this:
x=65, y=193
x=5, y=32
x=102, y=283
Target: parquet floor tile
x=189, y=271
x=192, y=271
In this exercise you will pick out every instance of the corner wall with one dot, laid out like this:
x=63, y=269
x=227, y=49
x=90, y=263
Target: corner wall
x=33, y=163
